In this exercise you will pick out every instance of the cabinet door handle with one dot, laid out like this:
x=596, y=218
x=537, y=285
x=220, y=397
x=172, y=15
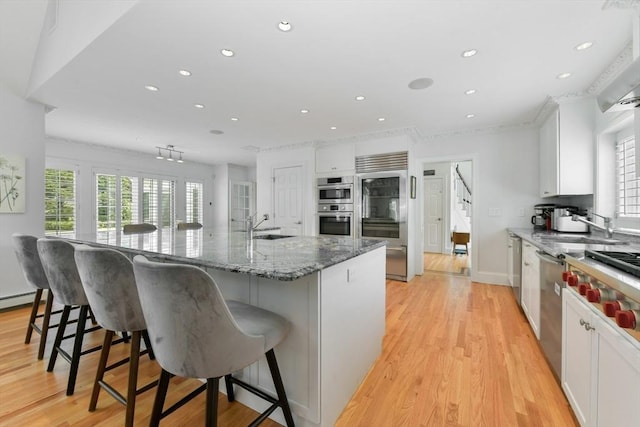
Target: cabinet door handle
x=582, y=322
x=588, y=327
x=527, y=264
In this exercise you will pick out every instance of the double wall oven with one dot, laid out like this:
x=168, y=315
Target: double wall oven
x=335, y=206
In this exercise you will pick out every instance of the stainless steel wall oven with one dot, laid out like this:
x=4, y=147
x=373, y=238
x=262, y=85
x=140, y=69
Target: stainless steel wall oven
x=335, y=190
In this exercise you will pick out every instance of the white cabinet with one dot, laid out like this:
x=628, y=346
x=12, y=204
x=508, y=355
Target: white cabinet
x=600, y=367
x=567, y=150
x=530, y=298
x=336, y=158
x=577, y=359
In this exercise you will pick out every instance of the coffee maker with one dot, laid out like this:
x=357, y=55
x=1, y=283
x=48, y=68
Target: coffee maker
x=542, y=219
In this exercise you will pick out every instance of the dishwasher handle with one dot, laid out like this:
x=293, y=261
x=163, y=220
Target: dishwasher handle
x=548, y=258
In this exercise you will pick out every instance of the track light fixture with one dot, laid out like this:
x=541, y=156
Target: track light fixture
x=171, y=151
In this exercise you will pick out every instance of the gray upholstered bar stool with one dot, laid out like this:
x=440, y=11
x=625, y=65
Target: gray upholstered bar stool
x=139, y=228
x=196, y=334
x=189, y=226
x=110, y=286
x=26, y=249
x=59, y=265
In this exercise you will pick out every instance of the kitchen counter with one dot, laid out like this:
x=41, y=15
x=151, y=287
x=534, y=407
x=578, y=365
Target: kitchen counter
x=331, y=289
x=544, y=240
x=281, y=259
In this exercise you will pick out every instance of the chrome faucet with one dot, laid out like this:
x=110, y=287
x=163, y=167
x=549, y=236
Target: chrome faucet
x=607, y=228
x=251, y=227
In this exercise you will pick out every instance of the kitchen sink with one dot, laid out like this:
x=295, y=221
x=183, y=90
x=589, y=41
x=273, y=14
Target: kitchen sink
x=271, y=236
x=587, y=240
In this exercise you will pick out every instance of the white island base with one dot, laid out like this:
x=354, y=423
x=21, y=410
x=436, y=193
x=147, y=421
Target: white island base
x=338, y=323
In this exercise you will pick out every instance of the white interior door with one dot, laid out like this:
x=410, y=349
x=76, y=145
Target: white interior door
x=433, y=209
x=241, y=202
x=287, y=204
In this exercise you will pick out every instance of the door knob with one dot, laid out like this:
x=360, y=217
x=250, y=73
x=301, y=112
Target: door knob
x=298, y=222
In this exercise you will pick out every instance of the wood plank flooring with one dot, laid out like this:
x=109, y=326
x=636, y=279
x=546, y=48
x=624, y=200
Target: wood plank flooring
x=455, y=353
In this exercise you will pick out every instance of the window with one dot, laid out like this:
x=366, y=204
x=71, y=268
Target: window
x=194, y=202
x=122, y=200
x=628, y=182
x=59, y=202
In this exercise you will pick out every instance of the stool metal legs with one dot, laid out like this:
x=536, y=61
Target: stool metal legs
x=46, y=318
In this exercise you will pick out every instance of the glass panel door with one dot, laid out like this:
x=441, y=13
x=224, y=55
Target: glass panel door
x=381, y=207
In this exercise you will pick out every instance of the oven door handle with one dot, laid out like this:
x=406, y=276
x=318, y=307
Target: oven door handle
x=548, y=258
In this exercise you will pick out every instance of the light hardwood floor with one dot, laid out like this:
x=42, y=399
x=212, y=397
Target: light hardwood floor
x=455, y=353
x=446, y=263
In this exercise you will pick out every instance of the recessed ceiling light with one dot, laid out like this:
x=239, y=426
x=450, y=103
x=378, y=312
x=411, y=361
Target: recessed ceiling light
x=198, y=106
x=381, y=119
x=470, y=92
x=333, y=128
x=234, y=119
x=360, y=98
x=227, y=52
x=421, y=83
x=304, y=111
x=583, y=46
x=470, y=116
x=185, y=73
x=284, y=26
x=151, y=88
x=563, y=75
x=469, y=53
x=216, y=132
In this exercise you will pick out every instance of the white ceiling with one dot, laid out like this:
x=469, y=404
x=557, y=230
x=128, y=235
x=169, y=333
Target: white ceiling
x=336, y=51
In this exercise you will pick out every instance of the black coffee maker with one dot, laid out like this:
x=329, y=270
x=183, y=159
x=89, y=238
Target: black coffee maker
x=542, y=219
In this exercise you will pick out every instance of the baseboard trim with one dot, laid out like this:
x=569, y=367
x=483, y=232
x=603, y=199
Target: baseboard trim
x=15, y=301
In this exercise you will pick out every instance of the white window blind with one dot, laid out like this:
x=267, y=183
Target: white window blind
x=194, y=202
x=60, y=202
x=129, y=197
x=628, y=182
x=106, y=198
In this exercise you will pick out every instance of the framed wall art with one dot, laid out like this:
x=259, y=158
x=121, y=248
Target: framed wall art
x=12, y=184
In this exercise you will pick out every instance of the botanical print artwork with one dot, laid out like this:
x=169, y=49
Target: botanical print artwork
x=12, y=186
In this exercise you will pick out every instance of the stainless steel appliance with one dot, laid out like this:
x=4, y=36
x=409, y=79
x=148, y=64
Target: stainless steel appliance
x=542, y=218
x=515, y=266
x=335, y=219
x=551, y=285
x=335, y=190
x=562, y=220
x=382, y=206
x=611, y=282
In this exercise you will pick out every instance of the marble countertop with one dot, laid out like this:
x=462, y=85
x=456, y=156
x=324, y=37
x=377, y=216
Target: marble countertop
x=282, y=259
x=551, y=242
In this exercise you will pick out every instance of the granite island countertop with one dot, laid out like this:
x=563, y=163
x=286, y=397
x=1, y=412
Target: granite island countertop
x=284, y=259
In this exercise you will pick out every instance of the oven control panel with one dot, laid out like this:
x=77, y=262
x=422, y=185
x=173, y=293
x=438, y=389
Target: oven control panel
x=622, y=310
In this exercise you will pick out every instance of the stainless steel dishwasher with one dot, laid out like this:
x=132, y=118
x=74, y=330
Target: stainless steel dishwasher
x=514, y=266
x=551, y=285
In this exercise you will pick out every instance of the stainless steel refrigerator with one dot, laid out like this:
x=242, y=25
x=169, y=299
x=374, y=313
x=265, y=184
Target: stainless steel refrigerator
x=382, y=214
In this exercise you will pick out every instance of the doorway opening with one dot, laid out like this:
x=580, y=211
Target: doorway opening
x=447, y=216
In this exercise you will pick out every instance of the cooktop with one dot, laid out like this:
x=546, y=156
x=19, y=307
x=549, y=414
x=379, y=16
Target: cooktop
x=626, y=261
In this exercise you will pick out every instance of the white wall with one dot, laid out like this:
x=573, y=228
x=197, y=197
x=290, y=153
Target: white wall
x=505, y=179
x=89, y=158
x=21, y=134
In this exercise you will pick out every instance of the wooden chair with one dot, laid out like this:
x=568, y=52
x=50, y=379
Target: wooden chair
x=460, y=239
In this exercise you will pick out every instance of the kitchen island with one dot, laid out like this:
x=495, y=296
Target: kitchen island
x=331, y=289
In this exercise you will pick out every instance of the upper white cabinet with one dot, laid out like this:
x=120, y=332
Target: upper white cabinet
x=335, y=158
x=567, y=150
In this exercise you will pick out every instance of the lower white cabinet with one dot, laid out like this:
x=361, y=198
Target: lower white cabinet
x=530, y=291
x=600, y=367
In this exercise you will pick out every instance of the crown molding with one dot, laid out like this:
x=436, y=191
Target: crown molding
x=412, y=132
x=621, y=62
x=621, y=4
x=489, y=130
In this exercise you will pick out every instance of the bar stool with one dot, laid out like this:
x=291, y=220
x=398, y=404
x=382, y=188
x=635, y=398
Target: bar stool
x=196, y=334
x=59, y=265
x=109, y=283
x=139, y=228
x=26, y=249
x=189, y=226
